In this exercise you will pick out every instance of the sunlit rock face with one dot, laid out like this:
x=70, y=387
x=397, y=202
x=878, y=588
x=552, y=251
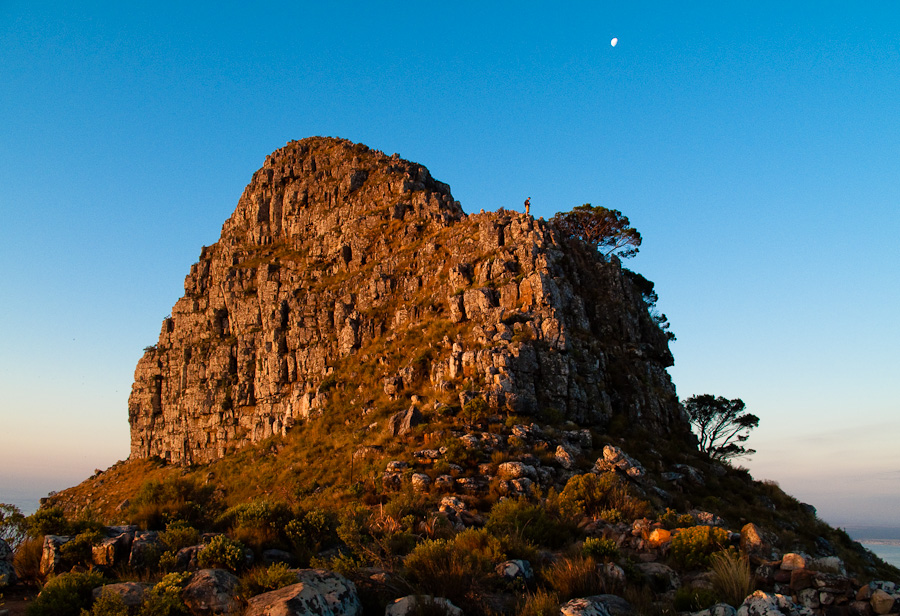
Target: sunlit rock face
x=349, y=278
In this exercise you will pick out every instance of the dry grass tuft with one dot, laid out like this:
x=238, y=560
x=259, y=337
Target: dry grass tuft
x=732, y=578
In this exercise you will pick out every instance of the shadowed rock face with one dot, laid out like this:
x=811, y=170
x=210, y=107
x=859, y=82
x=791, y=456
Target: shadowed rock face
x=343, y=269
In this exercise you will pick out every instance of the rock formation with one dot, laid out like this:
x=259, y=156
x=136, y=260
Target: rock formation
x=346, y=270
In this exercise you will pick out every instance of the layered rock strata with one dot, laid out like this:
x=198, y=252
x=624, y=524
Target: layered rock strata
x=343, y=269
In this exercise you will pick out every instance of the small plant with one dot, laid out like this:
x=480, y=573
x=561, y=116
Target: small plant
x=109, y=603
x=27, y=560
x=575, y=577
x=164, y=599
x=671, y=519
x=599, y=548
x=257, y=524
x=692, y=547
x=527, y=522
x=173, y=498
x=65, y=595
x=475, y=410
x=732, y=578
x=540, y=603
x=223, y=553
x=265, y=579
x=689, y=599
x=452, y=568
x=77, y=551
x=179, y=534
x=591, y=494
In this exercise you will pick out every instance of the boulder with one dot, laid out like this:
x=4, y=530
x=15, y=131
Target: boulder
x=616, y=459
x=144, y=546
x=882, y=602
x=50, y=554
x=211, y=592
x=112, y=550
x=615, y=605
x=317, y=592
x=719, y=609
x=7, y=574
x=764, y=604
x=131, y=593
x=412, y=604
x=565, y=456
x=402, y=422
x=515, y=470
x=755, y=544
x=585, y=606
x=662, y=578
x=792, y=561
x=420, y=482
x=6, y=552
x=515, y=569
x=273, y=556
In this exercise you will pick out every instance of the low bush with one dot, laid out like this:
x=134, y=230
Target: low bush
x=77, y=551
x=453, y=568
x=258, y=524
x=50, y=521
x=263, y=579
x=222, y=553
x=173, y=498
x=527, y=522
x=164, y=599
x=310, y=531
x=109, y=603
x=575, y=577
x=600, y=549
x=692, y=547
x=591, y=494
x=65, y=595
x=671, y=519
x=689, y=599
x=179, y=534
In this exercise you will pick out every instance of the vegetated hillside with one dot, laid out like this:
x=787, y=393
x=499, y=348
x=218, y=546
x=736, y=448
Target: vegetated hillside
x=357, y=349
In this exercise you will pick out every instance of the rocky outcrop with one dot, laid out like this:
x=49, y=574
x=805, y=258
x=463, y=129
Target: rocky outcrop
x=344, y=272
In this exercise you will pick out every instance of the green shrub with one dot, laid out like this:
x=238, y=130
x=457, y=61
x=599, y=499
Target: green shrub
x=599, y=548
x=50, y=521
x=591, y=494
x=179, y=534
x=732, y=579
x=264, y=579
x=310, y=531
x=671, y=519
x=258, y=524
x=164, y=599
x=575, y=577
x=109, y=603
x=526, y=522
x=173, y=498
x=452, y=568
x=689, y=599
x=222, y=553
x=77, y=551
x=692, y=547
x=65, y=595
x=475, y=410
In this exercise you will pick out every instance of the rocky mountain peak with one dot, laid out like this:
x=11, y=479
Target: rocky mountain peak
x=348, y=281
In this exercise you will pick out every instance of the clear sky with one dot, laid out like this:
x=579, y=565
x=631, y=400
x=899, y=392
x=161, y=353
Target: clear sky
x=756, y=146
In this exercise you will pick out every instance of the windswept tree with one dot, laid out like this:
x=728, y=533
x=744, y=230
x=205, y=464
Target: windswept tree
x=609, y=231
x=721, y=425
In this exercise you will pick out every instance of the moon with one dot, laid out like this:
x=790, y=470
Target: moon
x=614, y=42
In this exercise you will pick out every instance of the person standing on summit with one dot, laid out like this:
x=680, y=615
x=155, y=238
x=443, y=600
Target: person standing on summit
x=528, y=206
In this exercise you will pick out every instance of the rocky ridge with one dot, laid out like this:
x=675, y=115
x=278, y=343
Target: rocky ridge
x=343, y=270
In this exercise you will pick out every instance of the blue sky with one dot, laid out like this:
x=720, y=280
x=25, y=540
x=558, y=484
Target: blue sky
x=754, y=146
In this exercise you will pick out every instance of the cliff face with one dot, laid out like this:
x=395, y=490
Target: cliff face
x=345, y=270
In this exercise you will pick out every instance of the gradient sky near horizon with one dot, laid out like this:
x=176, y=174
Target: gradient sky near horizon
x=756, y=146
